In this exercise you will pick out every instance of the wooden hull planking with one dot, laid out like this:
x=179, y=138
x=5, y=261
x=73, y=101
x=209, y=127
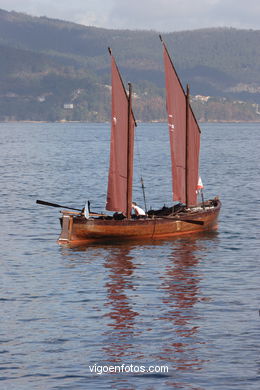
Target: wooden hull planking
x=77, y=229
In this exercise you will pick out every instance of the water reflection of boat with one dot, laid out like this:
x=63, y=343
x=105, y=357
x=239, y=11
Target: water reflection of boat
x=189, y=216
x=121, y=312
x=150, y=313
x=181, y=283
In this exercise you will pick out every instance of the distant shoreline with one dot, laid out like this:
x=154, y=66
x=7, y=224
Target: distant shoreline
x=62, y=122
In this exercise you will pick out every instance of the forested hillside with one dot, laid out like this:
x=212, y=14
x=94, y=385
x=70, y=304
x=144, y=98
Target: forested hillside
x=55, y=70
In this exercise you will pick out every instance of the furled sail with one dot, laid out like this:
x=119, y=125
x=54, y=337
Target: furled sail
x=184, y=137
x=119, y=191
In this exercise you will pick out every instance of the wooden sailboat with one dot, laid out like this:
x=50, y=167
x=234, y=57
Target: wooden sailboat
x=188, y=216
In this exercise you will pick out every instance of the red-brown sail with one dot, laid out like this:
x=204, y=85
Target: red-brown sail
x=119, y=191
x=193, y=149
x=184, y=137
x=176, y=109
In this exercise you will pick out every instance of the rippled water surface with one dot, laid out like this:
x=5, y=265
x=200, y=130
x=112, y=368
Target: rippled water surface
x=189, y=304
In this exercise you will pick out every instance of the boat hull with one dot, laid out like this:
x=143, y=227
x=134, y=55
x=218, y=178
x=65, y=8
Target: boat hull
x=77, y=229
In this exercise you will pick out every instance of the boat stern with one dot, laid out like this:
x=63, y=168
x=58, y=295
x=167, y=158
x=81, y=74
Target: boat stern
x=66, y=221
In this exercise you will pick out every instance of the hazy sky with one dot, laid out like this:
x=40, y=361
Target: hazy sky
x=160, y=15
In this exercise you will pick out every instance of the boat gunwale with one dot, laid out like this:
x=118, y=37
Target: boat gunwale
x=181, y=216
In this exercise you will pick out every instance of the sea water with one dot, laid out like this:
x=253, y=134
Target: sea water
x=177, y=314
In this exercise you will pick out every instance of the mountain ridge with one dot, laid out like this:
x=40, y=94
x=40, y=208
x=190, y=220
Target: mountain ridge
x=50, y=63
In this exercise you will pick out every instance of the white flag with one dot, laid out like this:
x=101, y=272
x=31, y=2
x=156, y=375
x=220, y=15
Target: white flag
x=200, y=184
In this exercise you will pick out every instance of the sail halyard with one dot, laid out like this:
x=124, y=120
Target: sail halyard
x=184, y=136
x=119, y=190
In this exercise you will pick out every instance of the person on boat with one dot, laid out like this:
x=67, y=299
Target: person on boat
x=138, y=211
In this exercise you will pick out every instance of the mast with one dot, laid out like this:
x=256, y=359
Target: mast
x=129, y=155
x=187, y=146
